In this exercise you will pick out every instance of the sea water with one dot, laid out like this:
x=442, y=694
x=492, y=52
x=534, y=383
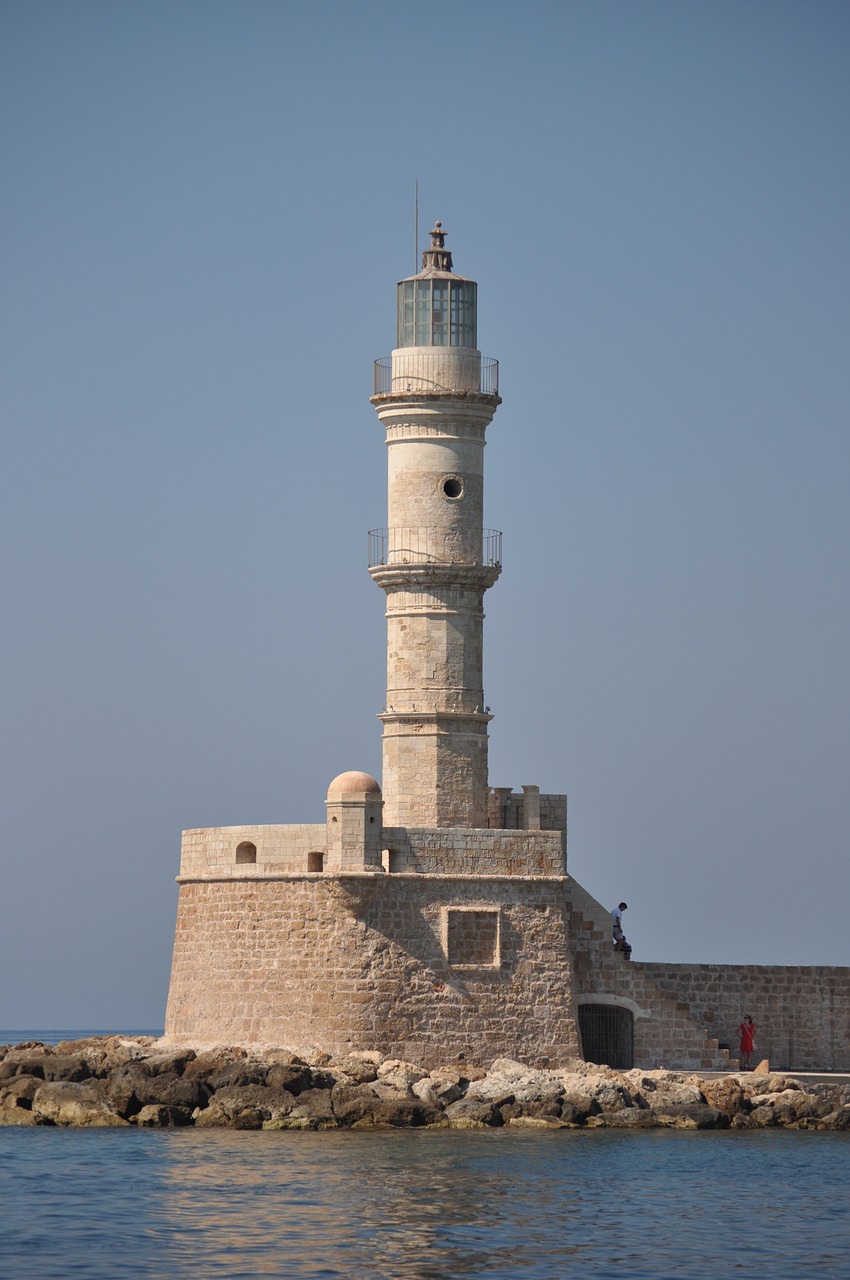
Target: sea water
x=104, y=1204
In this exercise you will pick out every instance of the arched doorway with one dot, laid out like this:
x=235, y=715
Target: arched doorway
x=607, y=1035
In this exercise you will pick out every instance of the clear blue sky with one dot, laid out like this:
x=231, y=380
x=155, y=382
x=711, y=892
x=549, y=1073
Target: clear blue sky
x=206, y=206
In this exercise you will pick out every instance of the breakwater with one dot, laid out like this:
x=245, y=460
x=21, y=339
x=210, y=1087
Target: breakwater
x=113, y=1081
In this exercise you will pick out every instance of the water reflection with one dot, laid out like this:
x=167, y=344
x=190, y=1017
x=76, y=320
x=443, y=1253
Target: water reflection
x=505, y=1204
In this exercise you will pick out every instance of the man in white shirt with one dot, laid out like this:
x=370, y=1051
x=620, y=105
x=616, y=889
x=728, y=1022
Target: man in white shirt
x=620, y=943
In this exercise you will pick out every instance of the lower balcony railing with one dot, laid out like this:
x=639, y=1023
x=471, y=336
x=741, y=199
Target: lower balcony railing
x=424, y=544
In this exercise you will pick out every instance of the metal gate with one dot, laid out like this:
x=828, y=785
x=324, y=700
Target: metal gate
x=607, y=1035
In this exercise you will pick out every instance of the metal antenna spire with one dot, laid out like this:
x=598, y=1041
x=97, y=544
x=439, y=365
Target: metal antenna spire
x=416, y=232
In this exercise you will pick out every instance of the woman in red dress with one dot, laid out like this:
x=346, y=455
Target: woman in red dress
x=748, y=1031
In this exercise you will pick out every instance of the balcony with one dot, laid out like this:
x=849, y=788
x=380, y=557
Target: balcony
x=438, y=370
x=423, y=544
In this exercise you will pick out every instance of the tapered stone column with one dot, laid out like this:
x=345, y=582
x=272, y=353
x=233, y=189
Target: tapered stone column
x=435, y=398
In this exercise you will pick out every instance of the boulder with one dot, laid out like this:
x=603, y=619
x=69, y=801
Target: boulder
x=239, y=1074
x=359, y=1068
x=208, y=1062
x=20, y=1090
x=14, y=1111
x=697, y=1115
x=75, y=1103
x=311, y=1110
x=509, y=1081
x=234, y=1100
x=589, y=1094
x=725, y=1094
x=22, y=1062
x=294, y=1076
x=160, y=1117
x=473, y=1113
x=72, y=1066
x=400, y=1076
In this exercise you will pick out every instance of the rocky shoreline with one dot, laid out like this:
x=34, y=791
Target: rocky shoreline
x=121, y=1081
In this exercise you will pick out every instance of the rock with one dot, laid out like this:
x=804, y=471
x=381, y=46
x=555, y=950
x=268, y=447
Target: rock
x=210, y=1061
x=161, y=1117
x=627, y=1118
x=360, y=1068
x=13, y=1112
x=697, y=1115
x=473, y=1113
x=20, y=1090
x=239, y=1075
x=509, y=1081
x=234, y=1100
x=71, y=1067
x=725, y=1094
x=130, y=1088
x=532, y=1122
x=172, y=1062
x=400, y=1075
x=589, y=1094
x=294, y=1076
x=22, y=1062
x=74, y=1103
x=839, y=1119
x=353, y=1103
x=312, y=1110
x=763, y=1068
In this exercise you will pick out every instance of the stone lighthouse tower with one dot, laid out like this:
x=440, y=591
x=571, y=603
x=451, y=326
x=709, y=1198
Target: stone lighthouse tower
x=435, y=396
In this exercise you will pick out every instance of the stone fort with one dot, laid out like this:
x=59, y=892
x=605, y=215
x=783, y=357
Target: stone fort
x=432, y=916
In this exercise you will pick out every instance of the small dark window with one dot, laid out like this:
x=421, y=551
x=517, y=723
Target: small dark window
x=453, y=487
x=315, y=862
x=246, y=852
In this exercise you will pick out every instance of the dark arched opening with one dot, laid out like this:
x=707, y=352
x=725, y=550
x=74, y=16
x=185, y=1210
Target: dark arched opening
x=607, y=1035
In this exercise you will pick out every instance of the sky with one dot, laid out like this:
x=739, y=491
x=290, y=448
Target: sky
x=206, y=207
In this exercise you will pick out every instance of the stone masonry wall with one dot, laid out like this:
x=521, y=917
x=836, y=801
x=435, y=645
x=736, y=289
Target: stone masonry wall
x=471, y=851
x=802, y=1013
x=279, y=848
x=366, y=962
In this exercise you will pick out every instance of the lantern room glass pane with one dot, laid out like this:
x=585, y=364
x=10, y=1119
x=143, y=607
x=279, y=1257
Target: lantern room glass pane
x=440, y=314
x=463, y=314
x=405, y=314
x=423, y=313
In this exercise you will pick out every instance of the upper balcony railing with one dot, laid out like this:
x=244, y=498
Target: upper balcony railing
x=424, y=544
x=445, y=369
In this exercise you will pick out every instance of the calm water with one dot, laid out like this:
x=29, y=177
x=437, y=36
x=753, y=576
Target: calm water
x=218, y=1205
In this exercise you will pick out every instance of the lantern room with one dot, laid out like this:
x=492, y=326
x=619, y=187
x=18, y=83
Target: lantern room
x=437, y=308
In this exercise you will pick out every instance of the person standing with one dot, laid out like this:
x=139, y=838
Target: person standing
x=747, y=1047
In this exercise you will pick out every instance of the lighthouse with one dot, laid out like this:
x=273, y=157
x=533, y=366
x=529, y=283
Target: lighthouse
x=435, y=397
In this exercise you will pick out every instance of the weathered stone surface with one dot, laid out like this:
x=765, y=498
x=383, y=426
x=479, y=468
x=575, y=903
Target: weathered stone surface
x=360, y=1068
x=147, y=1087
x=160, y=1117
x=234, y=1100
x=473, y=1113
x=509, y=1081
x=74, y=1103
x=400, y=1075
x=20, y=1089
x=22, y=1062
x=16, y=1111
x=726, y=1094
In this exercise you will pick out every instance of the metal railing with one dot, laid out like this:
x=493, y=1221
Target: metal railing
x=441, y=370
x=426, y=544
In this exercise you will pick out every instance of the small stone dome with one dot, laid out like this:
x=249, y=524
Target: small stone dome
x=353, y=781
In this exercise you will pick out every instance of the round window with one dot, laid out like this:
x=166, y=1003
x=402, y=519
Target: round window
x=453, y=487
